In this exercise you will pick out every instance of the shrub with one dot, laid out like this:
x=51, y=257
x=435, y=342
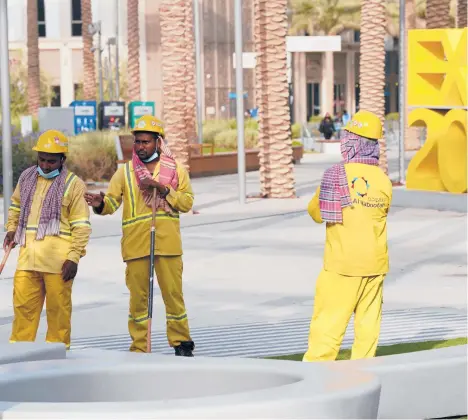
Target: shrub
x=212, y=127
x=22, y=156
x=251, y=123
x=92, y=155
x=392, y=116
x=296, y=130
x=232, y=123
x=251, y=138
x=315, y=118
x=228, y=139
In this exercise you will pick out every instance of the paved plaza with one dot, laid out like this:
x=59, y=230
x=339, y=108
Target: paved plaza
x=249, y=274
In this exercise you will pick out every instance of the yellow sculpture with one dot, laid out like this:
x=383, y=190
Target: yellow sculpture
x=437, y=88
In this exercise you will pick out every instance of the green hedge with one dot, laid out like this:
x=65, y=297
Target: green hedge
x=223, y=133
x=22, y=157
x=92, y=155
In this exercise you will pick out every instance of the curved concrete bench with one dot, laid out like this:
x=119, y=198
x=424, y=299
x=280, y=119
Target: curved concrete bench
x=26, y=352
x=135, y=386
x=424, y=384
x=419, y=385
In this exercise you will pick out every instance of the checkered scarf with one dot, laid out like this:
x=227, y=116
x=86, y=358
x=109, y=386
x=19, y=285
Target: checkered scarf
x=49, y=221
x=167, y=176
x=334, y=189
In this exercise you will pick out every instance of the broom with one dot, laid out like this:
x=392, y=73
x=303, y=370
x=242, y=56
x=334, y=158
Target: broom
x=5, y=257
x=151, y=273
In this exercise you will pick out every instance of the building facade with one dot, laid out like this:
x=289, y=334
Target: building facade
x=321, y=82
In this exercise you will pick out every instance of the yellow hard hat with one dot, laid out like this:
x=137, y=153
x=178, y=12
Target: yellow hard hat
x=52, y=141
x=365, y=124
x=150, y=124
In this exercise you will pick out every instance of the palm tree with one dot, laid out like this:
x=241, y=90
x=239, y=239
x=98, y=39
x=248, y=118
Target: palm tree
x=89, y=79
x=190, y=96
x=438, y=14
x=34, y=82
x=173, y=15
x=133, y=35
x=325, y=17
x=275, y=143
x=372, y=64
x=462, y=13
x=411, y=133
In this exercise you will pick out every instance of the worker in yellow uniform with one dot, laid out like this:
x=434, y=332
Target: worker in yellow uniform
x=49, y=220
x=152, y=166
x=353, y=199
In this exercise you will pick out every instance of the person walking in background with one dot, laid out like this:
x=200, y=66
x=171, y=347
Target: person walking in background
x=49, y=219
x=327, y=128
x=345, y=117
x=353, y=199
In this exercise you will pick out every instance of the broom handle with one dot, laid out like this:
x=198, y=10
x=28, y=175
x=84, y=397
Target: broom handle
x=151, y=273
x=5, y=257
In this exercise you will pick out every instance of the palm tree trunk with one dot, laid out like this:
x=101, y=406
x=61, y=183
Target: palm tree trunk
x=191, y=95
x=174, y=75
x=133, y=34
x=275, y=143
x=89, y=79
x=372, y=65
x=411, y=133
x=462, y=13
x=34, y=95
x=437, y=14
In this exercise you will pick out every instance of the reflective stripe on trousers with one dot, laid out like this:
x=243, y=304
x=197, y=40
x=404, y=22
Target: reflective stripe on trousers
x=169, y=277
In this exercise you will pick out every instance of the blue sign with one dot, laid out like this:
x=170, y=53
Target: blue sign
x=85, y=116
x=233, y=95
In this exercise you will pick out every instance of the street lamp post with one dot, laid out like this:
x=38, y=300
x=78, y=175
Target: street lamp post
x=196, y=16
x=111, y=41
x=111, y=89
x=6, y=117
x=402, y=91
x=239, y=100
x=117, y=70
x=94, y=28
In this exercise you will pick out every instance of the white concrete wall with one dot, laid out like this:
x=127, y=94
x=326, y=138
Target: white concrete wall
x=58, y=34
x=17, y=21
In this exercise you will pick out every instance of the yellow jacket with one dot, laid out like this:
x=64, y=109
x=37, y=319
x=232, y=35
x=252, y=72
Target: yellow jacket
x=136, y=218
x=358, y=247
x=49, y=254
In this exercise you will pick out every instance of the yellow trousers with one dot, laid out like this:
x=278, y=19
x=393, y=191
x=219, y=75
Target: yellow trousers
x=336, y=298
x=30, y=289
x=169, y=274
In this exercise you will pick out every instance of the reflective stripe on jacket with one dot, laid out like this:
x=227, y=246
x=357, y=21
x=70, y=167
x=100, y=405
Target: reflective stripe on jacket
x=136, y=217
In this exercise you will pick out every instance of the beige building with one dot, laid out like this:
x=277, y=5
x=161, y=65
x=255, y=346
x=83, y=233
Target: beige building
x=320, y=81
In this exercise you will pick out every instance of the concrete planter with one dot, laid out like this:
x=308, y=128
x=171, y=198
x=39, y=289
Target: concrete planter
x=329, y=147
x=298, y=153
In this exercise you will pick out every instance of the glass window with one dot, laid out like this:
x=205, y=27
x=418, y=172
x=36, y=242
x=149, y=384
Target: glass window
x=56, y=97
x=41, y=24
x=77, y=23
x=316, y=98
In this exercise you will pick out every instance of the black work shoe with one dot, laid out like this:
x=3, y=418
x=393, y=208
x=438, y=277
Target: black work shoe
x=185, y=349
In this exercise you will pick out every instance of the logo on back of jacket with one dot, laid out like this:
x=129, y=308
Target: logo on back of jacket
x=360, y=186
